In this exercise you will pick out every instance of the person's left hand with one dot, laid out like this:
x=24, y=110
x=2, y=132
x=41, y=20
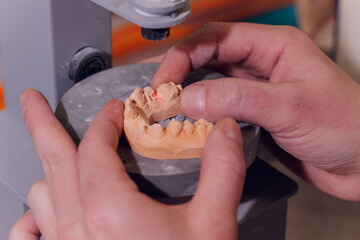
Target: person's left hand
x=87, y=193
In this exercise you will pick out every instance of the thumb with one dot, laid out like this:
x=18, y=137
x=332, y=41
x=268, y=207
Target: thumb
x=245, y=100
x=223, y=171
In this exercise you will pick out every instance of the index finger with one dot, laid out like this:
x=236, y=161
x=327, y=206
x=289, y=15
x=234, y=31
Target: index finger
x=258, y=50
x=56, y=151
x=101, y=169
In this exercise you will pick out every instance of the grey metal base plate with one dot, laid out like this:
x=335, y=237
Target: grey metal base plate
x=158, y=178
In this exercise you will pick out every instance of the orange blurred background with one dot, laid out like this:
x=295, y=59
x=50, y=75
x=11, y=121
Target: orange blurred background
x=126, y=38
x=2, y=98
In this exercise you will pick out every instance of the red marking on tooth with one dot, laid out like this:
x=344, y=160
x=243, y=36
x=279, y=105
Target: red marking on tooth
x=156, y=96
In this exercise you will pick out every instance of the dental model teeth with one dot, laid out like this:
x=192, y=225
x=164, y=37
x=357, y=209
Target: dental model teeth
x=174, y=128
x=188, y=127
x=156, y=130
x=200, y=130
x=146, y=137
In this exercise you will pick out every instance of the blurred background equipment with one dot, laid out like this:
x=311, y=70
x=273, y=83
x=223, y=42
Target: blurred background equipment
x=348, y=51
x=316, y=18
x=129, y=48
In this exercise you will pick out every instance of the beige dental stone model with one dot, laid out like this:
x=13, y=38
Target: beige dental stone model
x=146, y=137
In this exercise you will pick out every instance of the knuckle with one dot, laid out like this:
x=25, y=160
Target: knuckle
x=97, y=217
x=231, y=100
x=51, y=159
x=290, y=30
x=294, y=34
x=36, y=189
x=70, y=232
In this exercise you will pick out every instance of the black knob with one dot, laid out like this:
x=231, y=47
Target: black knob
x=155, y=34
x=88, y=61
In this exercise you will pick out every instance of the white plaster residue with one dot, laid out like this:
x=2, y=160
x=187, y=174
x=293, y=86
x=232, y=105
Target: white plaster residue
x=98, y=90
x=79, y=105
x=145, y=77
x=70, y=101
x=170, y=168
x=89, y=119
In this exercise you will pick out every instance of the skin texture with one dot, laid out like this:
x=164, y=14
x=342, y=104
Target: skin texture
x=281, y=81
x=87, y=193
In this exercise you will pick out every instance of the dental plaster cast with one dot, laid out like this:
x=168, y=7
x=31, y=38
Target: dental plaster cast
x=146, y=137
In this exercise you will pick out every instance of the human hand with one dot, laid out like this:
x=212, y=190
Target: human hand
x=282, y=82
x=87, y=193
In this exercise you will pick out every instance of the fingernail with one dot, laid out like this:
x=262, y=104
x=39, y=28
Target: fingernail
x=232, y=129
x=23, y=100
x=114, y=105
x=192, y=100
x=160, y=78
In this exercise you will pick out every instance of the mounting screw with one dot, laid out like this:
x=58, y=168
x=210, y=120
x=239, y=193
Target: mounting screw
x=88, y=61
x=173, y=14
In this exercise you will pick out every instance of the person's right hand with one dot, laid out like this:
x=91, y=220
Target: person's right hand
x=282, y=82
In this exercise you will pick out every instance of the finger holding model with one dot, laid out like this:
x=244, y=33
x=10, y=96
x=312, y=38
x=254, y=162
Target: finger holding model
x=281, y=81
